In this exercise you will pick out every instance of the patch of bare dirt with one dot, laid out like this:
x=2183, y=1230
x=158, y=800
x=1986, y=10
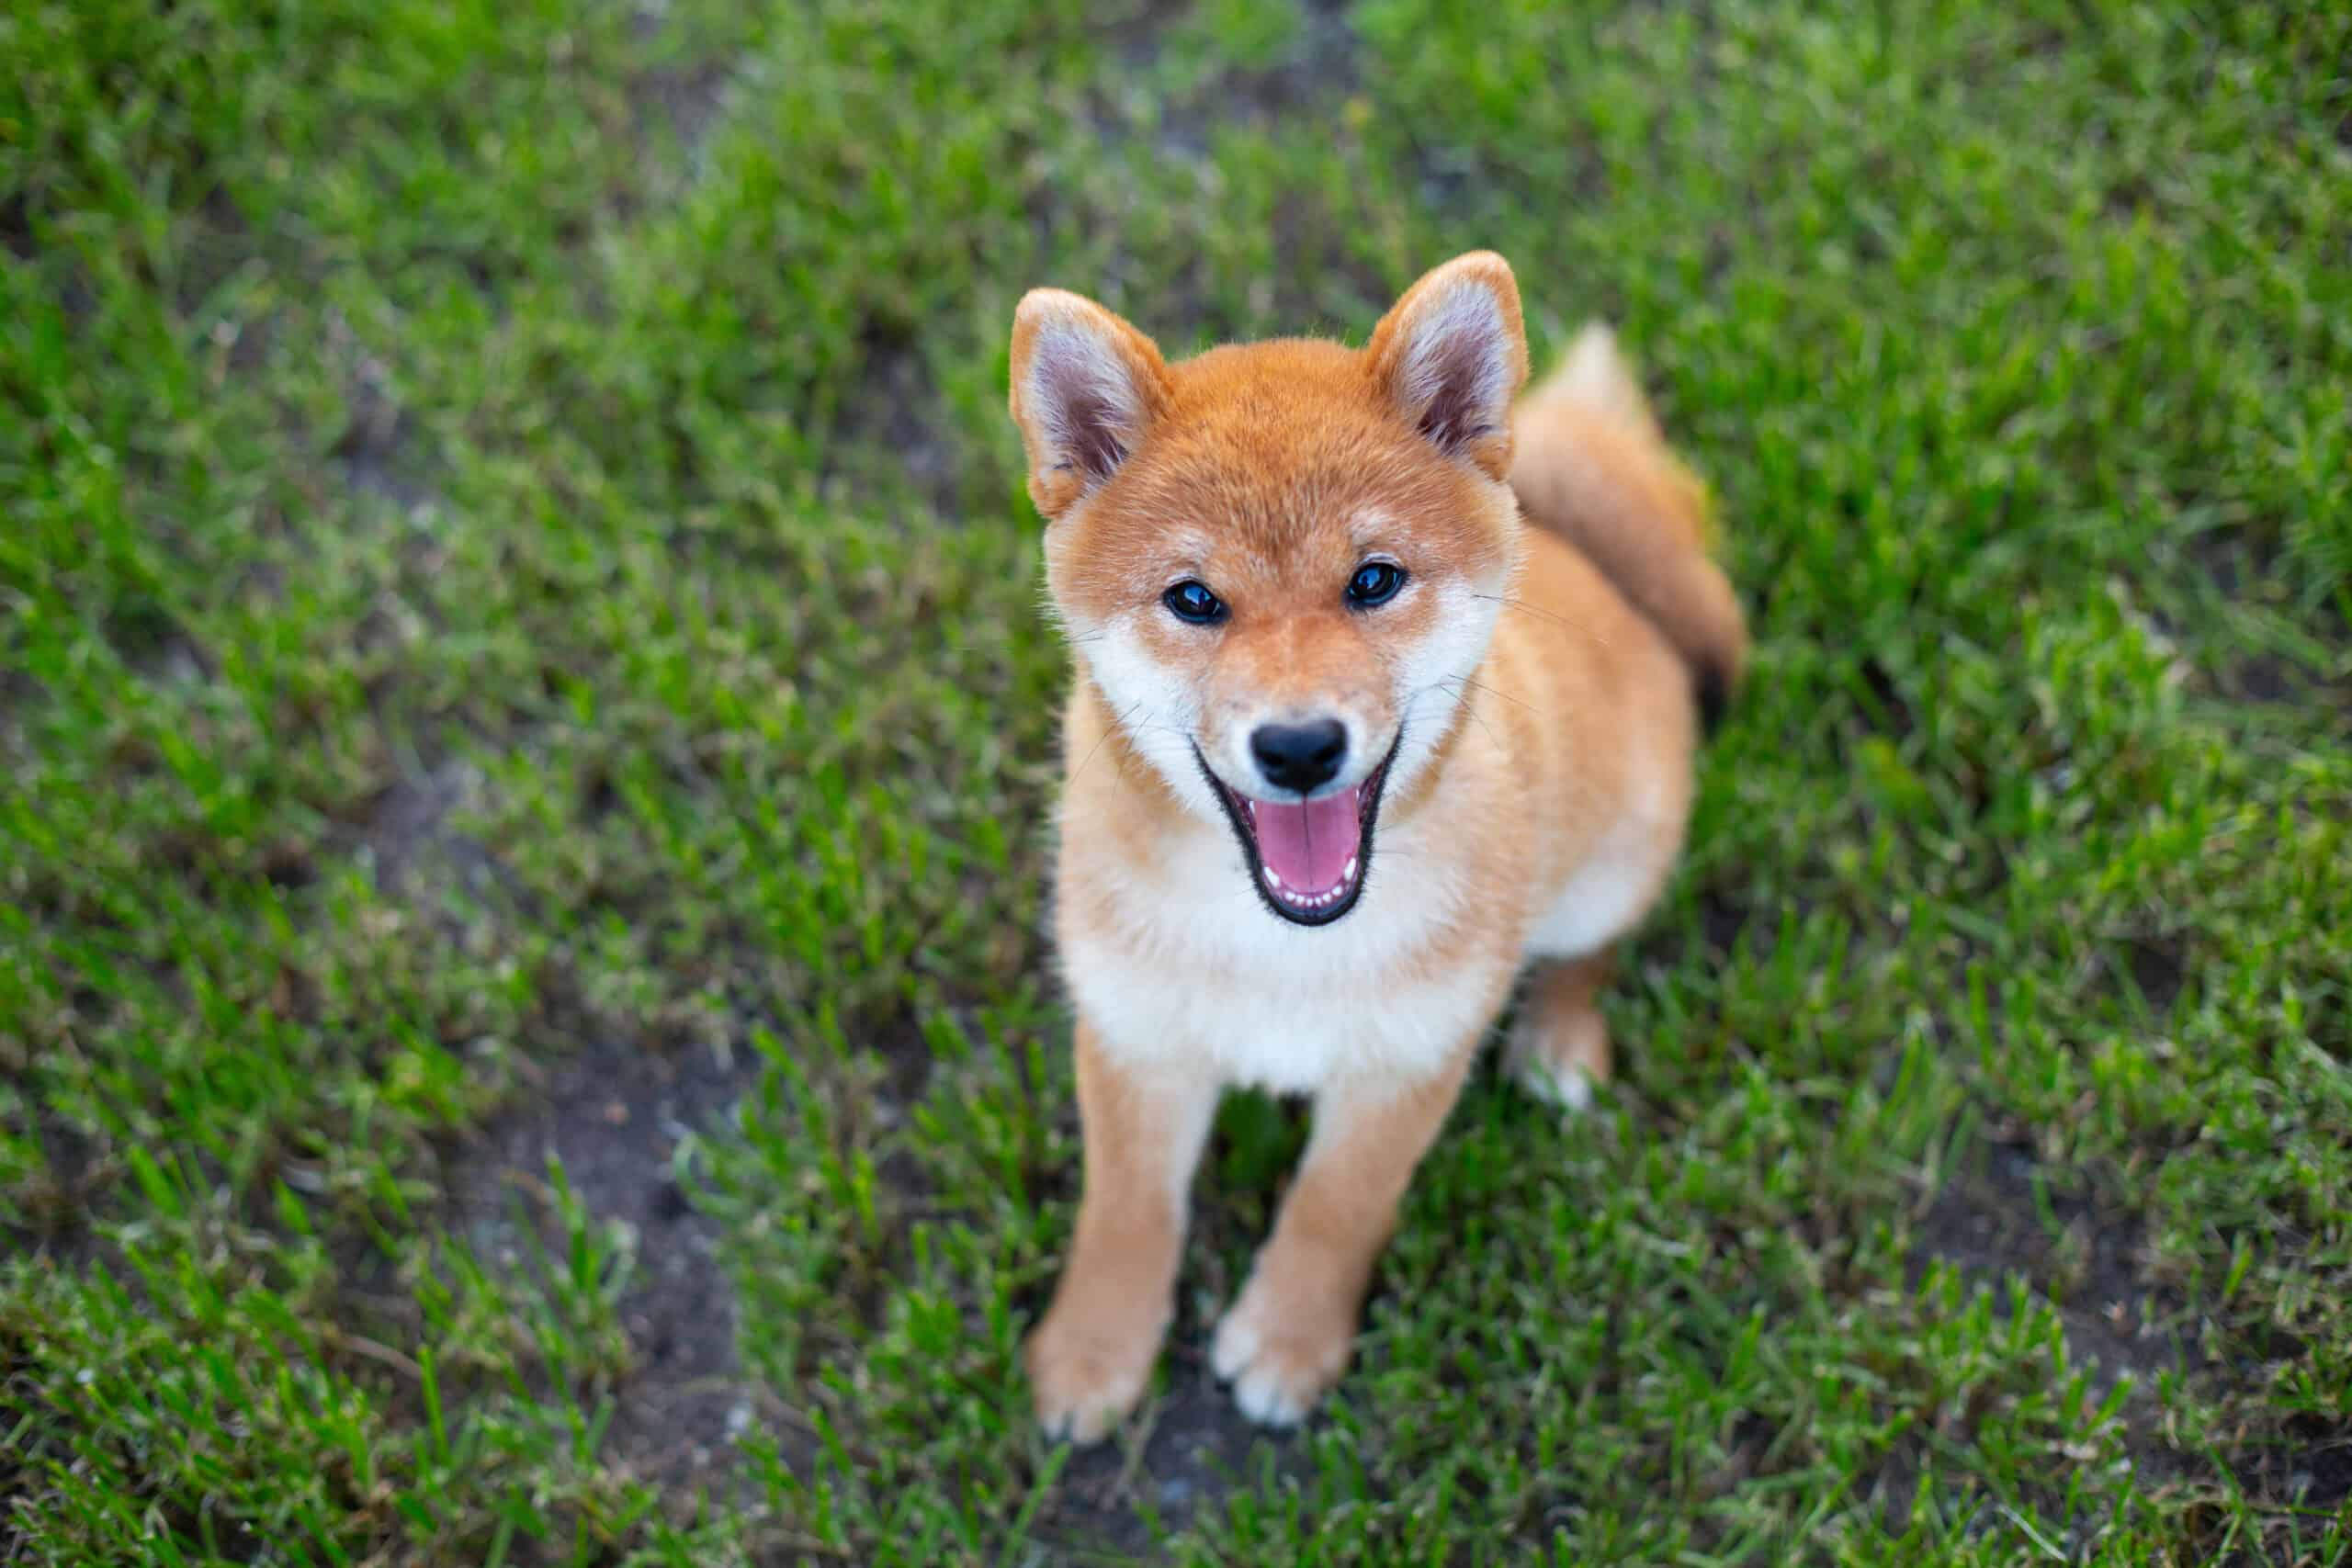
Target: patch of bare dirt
x=1999, y=1216
x=1989, y=1221
x=2159, y=970
x=409, y=838
x=1319, y=67
x=53, y=1208
x=895, y=409
x=1173, y=1466
x=686, y=101
x=2310, y=1468
x=615, y=1115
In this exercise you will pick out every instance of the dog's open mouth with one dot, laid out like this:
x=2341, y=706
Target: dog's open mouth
x=1307, y=858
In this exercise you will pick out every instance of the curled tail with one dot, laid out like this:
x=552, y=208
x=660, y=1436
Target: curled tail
x=1592, y=465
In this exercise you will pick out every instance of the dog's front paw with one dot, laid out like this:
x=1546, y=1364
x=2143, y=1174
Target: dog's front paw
x=1088, y=1375
x=1282, y=1351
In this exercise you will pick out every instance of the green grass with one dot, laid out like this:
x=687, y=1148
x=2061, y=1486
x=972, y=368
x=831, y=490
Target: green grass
x=515, y=576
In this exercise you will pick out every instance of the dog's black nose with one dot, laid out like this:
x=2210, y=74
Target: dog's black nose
x=1299, y=756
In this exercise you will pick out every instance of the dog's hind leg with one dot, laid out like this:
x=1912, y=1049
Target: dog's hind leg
x=1559, y=1048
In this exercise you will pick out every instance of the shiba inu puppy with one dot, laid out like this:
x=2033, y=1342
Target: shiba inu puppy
x=1386, y=695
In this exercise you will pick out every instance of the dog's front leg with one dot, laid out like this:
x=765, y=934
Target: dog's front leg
x=1288, y=1339
x=1143, y=1125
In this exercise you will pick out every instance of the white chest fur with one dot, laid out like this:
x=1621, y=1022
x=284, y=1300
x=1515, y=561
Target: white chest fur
x=1200, y=970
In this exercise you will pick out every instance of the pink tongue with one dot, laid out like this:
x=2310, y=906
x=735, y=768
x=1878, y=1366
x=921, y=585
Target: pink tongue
x=1309, y=845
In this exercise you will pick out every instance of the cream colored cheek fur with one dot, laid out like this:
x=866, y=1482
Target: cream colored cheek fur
x=1433, y=681
x=1156, y=706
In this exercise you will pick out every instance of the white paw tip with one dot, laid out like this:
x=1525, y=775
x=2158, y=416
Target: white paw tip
x=1070, y=1427
x=1267, y=1403
x=1234, y=1346
x=1570, y=1089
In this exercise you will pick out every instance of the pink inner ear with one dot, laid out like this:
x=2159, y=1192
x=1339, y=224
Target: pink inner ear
x=1458, y=412
x=1086, y=432
x=1086, y=399
x=1456, y=368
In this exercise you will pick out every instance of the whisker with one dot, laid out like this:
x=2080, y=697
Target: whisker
x=1494, y=691
x=1108, y=730
x=1442, y=684
x=1490, y=729
x=1546, y=614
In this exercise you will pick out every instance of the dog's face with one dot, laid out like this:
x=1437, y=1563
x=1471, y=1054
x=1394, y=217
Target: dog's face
x=1280, y=563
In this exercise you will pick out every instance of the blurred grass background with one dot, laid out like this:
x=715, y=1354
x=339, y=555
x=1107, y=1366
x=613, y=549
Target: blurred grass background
x=525, y=736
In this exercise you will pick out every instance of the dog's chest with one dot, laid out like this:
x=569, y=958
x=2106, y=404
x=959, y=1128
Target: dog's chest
x=1198, y=969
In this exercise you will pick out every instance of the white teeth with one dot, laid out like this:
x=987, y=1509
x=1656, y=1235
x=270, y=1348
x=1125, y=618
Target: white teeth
x=1298, y=900
x=1348, y=873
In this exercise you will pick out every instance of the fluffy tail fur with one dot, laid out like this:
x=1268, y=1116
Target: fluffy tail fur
x=1592, y=465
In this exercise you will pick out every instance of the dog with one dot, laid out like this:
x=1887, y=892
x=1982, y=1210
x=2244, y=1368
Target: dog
x=1387, y=687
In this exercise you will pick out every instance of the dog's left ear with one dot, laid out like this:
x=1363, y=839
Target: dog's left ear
x=1452, y=354
x=1086, y=390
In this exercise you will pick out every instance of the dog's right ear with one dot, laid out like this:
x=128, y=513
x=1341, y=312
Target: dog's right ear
x=1086, y=387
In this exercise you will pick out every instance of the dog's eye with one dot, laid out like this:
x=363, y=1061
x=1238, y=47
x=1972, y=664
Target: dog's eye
x=1375, y=582
x=1190, y=601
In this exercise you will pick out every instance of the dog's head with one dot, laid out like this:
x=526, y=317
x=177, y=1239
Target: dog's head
x=1280, y=562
